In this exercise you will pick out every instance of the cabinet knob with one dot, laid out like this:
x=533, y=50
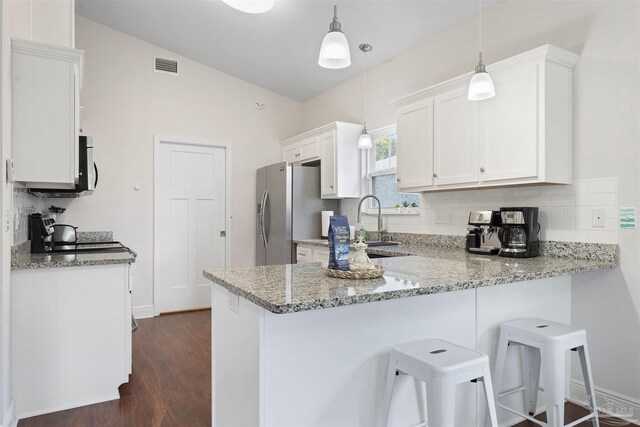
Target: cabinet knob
x=482, y=169
x=331, y=186
x=397, y=179
x=435, y=175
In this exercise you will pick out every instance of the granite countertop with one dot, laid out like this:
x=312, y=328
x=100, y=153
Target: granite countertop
x=23, y=259
x=431, y=269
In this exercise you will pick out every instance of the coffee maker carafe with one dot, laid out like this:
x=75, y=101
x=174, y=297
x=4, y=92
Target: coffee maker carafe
x=519, y=232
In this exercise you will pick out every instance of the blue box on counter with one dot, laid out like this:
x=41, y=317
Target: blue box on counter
x=339, y=240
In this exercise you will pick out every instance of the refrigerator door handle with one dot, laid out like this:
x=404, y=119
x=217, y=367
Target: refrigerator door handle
x=265, y=238
x=261, y=218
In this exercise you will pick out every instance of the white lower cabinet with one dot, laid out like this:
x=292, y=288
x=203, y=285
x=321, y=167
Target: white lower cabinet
x=304, y=254
x=521, y=136
x=321, y=255
x=309, y=253
x=71, y=336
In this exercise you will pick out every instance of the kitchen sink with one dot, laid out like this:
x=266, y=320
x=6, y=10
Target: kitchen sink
x=379, y=243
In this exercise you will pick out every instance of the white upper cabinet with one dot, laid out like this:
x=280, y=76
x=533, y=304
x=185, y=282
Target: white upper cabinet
x=291, y=154
x=328, y=169
x=415, y=154
x=304, y=151
x=455, y=141
x=521, y=136
x=335, y=146
x=53, y=22
x=45, y=114
x=509, y=142
x=310, y=148
x=44, y=21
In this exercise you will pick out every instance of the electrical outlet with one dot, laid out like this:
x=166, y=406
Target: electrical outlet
x=7, y=220
x=234, y=302
x=597, y=218
x=442, y=218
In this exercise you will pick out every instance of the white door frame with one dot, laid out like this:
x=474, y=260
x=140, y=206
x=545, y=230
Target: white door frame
x=165, y=139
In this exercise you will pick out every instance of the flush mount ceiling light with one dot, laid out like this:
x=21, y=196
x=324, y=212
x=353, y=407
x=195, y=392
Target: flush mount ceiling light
x=251, y=6
x=481, y=85
x=334, y=51
x=364, y=141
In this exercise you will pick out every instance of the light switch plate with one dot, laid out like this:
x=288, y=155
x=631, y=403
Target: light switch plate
x=10, y=171
x=597, y=217
x=442, y=218
x=7, y=220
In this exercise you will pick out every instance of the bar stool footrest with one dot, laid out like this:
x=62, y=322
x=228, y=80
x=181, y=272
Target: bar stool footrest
x=520, y=414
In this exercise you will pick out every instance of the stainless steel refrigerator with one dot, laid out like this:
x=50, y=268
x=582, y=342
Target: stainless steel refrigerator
x=288, y=207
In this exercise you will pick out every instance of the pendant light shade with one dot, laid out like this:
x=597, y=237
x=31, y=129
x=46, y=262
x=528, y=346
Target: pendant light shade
x=334, y=51
x=364, y=141
x=481, y=85
x=251, y=6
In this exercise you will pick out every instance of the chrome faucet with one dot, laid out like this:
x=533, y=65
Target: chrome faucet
x=362, y=199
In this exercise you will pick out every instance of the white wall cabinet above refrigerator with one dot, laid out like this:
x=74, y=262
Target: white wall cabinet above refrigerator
x=336, y=147
x=521, y=136
x=46, y=85
x=45, y=21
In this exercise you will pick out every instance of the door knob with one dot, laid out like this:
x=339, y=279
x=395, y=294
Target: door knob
x=482, y=169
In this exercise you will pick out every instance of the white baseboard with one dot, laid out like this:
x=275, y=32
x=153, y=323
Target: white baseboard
x=143, y=311
x=10, y=419
x=615, y=404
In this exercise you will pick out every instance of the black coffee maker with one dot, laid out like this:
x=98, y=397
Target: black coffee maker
x=519, y=232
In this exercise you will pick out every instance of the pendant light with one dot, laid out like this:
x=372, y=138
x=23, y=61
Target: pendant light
x=334, y=51
x=481, y=85
x=251, y=6
x=364, y=141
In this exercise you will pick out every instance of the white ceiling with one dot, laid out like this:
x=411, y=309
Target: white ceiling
x=278, y=50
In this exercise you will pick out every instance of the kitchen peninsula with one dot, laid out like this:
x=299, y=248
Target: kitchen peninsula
x=292, y=346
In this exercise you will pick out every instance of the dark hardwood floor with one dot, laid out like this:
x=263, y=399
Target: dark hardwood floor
x=573, y=412
x=170, y=384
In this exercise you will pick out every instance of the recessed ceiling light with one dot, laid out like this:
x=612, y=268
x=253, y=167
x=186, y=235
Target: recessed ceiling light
x=251, y=6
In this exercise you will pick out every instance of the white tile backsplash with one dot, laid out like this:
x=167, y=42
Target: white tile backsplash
x=24, y=204
x=565, y=210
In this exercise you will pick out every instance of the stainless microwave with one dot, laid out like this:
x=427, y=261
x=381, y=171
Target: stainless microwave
x=87, y=174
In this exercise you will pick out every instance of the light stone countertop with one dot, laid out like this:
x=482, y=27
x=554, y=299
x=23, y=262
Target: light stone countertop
x=23, y=259
x=300, y=287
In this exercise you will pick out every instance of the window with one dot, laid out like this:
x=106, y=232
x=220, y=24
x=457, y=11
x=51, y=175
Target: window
x=381, y=176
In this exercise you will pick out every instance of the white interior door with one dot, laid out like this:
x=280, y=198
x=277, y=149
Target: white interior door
x=190, y=187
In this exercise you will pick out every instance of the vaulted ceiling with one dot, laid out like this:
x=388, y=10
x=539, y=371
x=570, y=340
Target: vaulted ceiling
x=278, y=50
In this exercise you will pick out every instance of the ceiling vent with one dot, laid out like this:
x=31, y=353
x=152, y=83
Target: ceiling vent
x=164, y=65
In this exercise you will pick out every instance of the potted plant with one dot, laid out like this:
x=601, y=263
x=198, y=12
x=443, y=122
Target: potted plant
x=405, y=207
x=414, y=207
x=398, y=207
